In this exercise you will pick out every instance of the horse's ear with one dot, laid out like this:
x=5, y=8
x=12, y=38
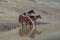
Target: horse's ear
x=33, y=12
x=24, y=13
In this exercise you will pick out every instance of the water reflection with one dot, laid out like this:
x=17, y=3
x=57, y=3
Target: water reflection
x=27, y=31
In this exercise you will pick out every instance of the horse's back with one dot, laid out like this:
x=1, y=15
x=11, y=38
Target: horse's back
x=23, y=17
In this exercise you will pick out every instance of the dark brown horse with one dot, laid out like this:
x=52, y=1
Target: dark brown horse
x=25, y=19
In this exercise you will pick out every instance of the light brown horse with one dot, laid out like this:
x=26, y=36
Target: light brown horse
x=25, y=19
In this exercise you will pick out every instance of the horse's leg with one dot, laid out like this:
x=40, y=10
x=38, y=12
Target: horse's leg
x=24, y=26
x=20, y=25
x=32, y=29
x=35, y=24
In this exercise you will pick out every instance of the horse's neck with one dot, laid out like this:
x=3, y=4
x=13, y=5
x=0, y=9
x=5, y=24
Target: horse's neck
x=36, y=17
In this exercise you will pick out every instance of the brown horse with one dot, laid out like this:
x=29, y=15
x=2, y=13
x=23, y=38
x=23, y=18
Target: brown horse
x=34, y=18
x=25, y=19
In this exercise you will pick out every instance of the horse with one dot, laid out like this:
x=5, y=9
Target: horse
x=34, y=18
x=25, y=19
x=31, y=11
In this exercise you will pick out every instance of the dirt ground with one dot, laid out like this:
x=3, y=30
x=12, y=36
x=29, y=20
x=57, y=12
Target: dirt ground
x=49, y=24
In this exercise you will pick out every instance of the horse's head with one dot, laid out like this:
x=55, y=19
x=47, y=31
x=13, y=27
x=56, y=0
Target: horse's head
x=38, y=16
x=33, y=11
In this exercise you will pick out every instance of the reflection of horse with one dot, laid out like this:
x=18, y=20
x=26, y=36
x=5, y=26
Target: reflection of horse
x=25, y=19
x=26, y=33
